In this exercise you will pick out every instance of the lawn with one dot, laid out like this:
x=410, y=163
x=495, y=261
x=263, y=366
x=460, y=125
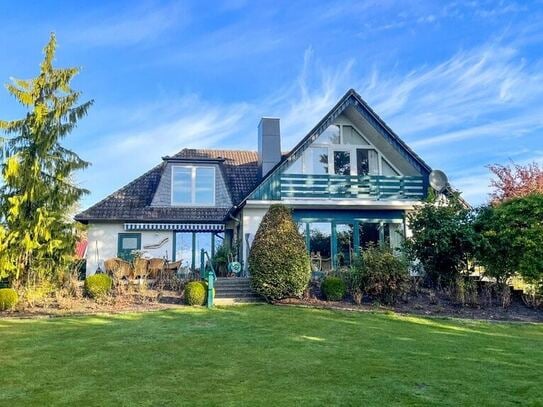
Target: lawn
x=265, y=355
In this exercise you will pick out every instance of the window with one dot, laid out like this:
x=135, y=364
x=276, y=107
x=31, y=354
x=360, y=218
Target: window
x=387, y=168
x=341, y=150
x=367, y=162
x=329, y=136
x=369, y=234
x=188, y=246
x=193, y=185
x=342, y=163
x=351, y=136
x=320, y=244
x=345, y=244
x=183, y=248
x=316, y=160
x=296, y=167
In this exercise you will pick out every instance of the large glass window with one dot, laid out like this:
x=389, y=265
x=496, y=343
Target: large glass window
x=183, y=248
x=351, y=136
x=182, y=185
x=367, y=162
x=329, y=136
x=387, y=168
x=193, y=185
x=345, y=244
x=204, y=185
x=188, y=246
x=369, y=234
x=316, y=160
x=342, y=163
x=296, y=167
x=201, y=241
x=320, y=244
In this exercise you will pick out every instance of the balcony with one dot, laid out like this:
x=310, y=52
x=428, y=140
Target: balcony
x=372, y=187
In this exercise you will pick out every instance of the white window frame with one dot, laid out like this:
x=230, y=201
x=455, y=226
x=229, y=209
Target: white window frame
x=193, y=169
x=352, y=149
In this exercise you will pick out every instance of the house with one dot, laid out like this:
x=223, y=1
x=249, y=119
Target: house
x=349, y=181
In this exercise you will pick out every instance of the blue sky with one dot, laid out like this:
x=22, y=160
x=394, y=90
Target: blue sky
x=460, y=82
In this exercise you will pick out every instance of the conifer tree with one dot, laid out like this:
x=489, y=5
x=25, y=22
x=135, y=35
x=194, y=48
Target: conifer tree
x=37, y=187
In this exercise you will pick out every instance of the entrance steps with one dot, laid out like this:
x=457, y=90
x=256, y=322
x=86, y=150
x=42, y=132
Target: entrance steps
x=235, y=290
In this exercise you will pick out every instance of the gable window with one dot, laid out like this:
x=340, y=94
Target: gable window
x=193, y=185
x=316, y=160
x=367, y=162
x=329, y=136
x=342, y=163
x=352, y=136
x=387, y=168
x=342, y=150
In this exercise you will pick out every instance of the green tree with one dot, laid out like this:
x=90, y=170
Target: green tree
x=511, y=236
x=38, y=189
x=278, y=260
x=443, y=240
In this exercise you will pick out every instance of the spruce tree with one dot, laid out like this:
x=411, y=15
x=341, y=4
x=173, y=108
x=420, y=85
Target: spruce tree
x=37, y=189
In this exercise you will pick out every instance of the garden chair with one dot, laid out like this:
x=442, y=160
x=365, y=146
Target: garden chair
x=118, y=268
x=156, y=267
x=141, y=268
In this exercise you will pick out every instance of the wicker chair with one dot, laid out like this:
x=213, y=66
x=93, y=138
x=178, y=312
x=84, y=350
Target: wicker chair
x=141, y=268
x=156, y=266
x=118, y=268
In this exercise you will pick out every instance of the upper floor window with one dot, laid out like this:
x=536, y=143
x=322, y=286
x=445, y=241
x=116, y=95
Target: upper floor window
x=329, y=136
x=193, y=185
x=342, y=150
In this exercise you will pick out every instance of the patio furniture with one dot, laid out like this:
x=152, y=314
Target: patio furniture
x=141, y=268
x=156, y=267
x=118, y=268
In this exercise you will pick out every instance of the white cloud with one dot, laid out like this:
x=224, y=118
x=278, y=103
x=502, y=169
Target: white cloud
x=129, y=28
x=443, y=111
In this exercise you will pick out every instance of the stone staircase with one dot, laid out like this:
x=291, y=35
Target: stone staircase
x=234, y=290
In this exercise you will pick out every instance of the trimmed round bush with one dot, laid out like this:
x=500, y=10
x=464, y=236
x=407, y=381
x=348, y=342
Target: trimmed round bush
x=8, y=298
x=333, y=288
x=278, y=261
x=98, y=285
x=195, y=293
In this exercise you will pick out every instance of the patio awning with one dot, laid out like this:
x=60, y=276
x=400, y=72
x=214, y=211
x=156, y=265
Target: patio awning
x=181, y=227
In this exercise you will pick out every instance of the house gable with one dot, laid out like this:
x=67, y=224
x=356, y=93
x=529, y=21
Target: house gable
x=354, y=110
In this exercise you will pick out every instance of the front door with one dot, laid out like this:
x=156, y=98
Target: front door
x=128, y=243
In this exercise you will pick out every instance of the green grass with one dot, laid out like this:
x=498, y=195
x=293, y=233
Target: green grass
x=264, y=355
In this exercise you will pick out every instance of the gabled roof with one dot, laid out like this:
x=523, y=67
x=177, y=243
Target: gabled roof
x=240, y=169
x=351, y=98
x=133, y=201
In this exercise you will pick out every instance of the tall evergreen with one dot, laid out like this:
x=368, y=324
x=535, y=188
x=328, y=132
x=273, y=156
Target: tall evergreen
x=37, y=189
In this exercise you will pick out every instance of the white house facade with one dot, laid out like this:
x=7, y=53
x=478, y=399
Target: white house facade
x=349, y=182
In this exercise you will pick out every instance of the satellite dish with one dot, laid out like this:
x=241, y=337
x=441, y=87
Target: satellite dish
x=438, y=180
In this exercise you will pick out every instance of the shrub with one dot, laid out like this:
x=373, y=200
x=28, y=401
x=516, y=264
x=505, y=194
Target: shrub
x=333, y=288
x=8, y=298
x=195, y=293
x=278, y=261
x=511, y=239
x=98, y=285
x=383, y=276
x=443, y=240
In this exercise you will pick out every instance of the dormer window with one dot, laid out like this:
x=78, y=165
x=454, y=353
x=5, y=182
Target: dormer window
x=193, y=185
